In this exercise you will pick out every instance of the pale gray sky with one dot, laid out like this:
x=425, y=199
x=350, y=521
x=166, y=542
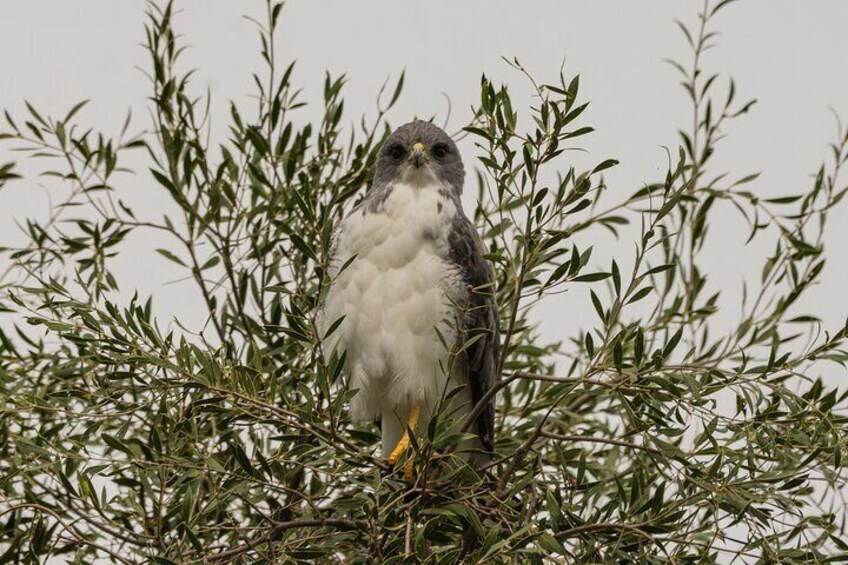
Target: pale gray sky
x=788, y=54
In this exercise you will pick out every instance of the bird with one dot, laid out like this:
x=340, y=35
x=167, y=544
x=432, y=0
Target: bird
x=412, y=298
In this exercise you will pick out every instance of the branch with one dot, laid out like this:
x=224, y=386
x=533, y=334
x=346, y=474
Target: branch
x=279, y=527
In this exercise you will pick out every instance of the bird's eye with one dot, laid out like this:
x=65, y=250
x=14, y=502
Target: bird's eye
x=397, y=151
x=440, y=150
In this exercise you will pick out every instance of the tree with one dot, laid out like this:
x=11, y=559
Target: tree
x=662, y=439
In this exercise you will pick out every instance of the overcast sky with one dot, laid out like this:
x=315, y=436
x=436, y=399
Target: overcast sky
x=788, y=54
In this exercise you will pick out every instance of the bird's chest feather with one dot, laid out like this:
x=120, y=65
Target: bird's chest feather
x=400, y=285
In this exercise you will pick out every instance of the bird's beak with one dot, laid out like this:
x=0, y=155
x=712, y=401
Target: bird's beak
x=419, y=155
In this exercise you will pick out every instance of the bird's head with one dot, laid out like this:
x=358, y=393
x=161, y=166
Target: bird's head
x=420, y=153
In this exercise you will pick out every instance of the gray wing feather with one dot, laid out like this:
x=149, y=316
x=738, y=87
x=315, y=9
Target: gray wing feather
x=481, y=318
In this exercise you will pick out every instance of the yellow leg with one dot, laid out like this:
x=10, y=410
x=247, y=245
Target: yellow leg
x=403, y=444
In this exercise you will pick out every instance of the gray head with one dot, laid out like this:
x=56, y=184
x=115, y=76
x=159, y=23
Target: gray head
x=418, y=152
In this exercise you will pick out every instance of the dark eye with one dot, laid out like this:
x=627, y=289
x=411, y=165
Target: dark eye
x=397, y=151
x=440, y=150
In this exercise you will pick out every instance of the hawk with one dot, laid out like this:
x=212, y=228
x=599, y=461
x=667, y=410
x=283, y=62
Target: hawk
x=415, y=296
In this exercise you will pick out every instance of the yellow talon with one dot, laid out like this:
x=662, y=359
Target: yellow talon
x=403, y=444
x=399, y=449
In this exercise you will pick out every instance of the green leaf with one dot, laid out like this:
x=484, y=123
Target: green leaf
x=640, y=294
x=592, y=277
x=170, y=256
x=604, y=165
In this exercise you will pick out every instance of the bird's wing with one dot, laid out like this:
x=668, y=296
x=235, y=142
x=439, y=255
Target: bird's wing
x=481, y=321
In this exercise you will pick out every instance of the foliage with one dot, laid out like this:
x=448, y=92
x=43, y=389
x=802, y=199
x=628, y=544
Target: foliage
x=660, y=439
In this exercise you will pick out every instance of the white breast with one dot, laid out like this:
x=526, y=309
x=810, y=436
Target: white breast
x=394, y=295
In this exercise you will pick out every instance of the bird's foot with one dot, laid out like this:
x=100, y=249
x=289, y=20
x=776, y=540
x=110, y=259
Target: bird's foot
x=403, y=444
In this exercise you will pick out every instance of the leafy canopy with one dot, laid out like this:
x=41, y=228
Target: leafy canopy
x=659, y=438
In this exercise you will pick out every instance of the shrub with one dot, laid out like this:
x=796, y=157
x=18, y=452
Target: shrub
x=660, y=438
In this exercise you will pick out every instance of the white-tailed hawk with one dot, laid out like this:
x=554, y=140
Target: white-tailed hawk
x=409, y=277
